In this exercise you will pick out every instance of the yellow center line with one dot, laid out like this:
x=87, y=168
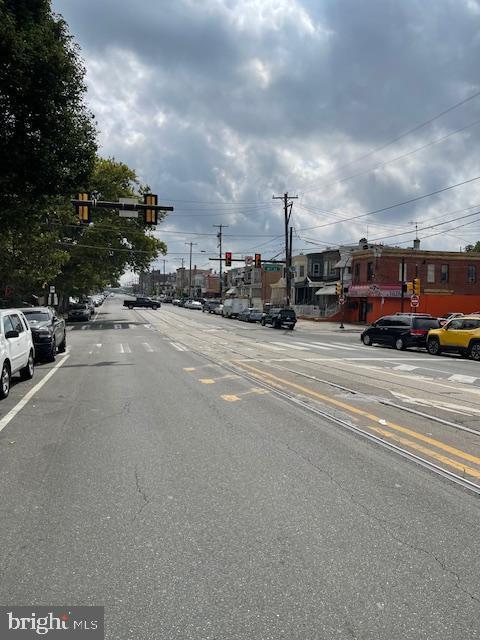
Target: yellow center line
x=258, y=373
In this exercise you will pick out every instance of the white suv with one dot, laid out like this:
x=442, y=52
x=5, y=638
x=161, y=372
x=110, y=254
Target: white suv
x=16, y=348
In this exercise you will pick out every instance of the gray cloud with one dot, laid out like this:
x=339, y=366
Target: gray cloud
x=232, y=101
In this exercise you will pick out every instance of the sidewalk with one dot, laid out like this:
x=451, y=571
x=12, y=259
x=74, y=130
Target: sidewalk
x=331, y=326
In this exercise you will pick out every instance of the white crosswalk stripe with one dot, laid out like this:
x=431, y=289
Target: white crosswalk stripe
x=272, y=347
x=124, y=348
x=290, y=346
x=314, y=344
x=458, y=377
x=405, y=367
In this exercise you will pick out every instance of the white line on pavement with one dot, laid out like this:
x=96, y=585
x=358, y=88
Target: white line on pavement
x=271, y=346
x=147, y=347
x=314, y=344
x=125, y=348
x=458, y=377
x=28, y=396
x=178, y=347
x=405, y=367
x=290, y=346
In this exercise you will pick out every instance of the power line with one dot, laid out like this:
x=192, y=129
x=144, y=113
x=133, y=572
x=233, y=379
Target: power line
x=399, y=137
x=393, y=206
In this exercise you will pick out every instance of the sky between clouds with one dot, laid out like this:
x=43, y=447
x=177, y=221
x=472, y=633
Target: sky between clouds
x=219, y=104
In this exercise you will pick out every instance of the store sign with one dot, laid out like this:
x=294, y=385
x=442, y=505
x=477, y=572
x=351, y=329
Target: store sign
x=375, y=291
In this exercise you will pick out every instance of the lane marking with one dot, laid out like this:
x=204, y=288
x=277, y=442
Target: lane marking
x=405, y=367
x=147, y=347
x=271, y=346
x=178, y=347
x=29, y=395
x=376, y=419
x=206, y=381
x=125, y=348
x=230, y=398
x=189, y=368
x=458, y=377
x=317, y=346
x=290, y=346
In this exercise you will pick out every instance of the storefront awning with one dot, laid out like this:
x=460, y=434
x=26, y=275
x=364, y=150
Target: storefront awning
x=329, y=290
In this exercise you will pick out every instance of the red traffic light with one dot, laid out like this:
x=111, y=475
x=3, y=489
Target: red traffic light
x=258, y=260
x=228, y=259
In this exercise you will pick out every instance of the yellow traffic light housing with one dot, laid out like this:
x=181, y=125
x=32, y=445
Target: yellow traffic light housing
x=228, y=259
x=83, y=210
x=258, y=260
x=409, y=287
x=416, y=286
x=338, y=289
x=150, y=214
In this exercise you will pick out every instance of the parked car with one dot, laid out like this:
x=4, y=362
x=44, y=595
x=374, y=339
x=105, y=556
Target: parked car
x=193, y=304
x=280, y=318
x=251, y=315
x=460, y=335
x=48, y=332
x=175, y=301
x=449, y=316
x=144, y=303
x=218, y=310
x=91, y=305
x=210, y=305
x=167, y=299
x=400, y=331
x=79, y=311
x=17, y=351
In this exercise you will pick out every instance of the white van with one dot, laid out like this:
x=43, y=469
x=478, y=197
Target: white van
x=233, y=306
x=16, y=348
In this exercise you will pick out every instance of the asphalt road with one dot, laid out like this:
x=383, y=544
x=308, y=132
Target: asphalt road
x=154, y=473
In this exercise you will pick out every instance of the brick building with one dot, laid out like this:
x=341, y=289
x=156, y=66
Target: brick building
x=450, y=282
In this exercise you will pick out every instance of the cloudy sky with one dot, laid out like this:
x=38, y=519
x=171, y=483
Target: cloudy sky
x=219, y=104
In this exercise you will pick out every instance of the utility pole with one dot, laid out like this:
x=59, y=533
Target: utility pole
x=287, y=208
x=219, y=236
x=164, y=278
x=402, y=294
x=190, y=269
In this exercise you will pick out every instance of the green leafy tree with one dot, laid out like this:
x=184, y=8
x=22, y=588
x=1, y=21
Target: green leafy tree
x=473, y=247
x=47, y=138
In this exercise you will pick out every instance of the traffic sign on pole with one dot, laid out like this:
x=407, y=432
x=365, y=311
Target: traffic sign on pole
x=341, y=300
x=414, y=300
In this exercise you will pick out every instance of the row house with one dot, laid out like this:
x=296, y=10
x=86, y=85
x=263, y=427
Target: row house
x=253, y=283
x=449, y=281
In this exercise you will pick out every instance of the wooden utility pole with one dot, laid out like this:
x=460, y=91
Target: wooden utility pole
x=190, y=269
x=219, y=236
x=287, y=208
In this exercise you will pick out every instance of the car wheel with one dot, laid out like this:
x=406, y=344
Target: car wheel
x=475, y=351
x=399, y=344
x=53, y=352
x=27, y=372
x=367, y=340
x=433, y=347
x=62, y=348
x=5, y=381
x=130, y=306
x=262, y=322
x=154, y=307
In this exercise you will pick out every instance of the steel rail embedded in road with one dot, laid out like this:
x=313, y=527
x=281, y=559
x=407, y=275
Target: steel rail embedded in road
x=292, y=398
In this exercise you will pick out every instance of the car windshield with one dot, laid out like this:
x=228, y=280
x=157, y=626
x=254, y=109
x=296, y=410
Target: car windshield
x=38, y=316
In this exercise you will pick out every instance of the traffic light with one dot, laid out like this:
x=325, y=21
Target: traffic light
x=228, y=259
x=150, y=214
x=409, y=288
x=258, y=260
x=83, y=210
x=338, y=289
x=416, y=286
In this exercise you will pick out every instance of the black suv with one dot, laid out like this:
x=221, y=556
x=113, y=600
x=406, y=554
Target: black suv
x=400, y=331
x=280, y=318
x=48, y=332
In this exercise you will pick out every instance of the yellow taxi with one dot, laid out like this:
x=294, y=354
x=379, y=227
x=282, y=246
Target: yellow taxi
x=461, y=335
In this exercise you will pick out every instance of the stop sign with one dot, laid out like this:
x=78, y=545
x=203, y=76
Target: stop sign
x=414, y=300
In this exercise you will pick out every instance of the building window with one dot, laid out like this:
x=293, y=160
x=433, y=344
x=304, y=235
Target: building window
x=302, y=271
x=402, y=277
x=444, y=273
x=431, y=273
x=316, y=269
x=472, y=273
x=357, y=272
x=369, y=270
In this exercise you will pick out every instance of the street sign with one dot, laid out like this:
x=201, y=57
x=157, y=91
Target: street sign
x=341, y=300
x=414, y=300
x=248, y=261
x=52, y=288
x=272, y=267
x=126, y=213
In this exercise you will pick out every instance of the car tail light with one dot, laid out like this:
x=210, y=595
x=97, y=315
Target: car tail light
x=418, y=332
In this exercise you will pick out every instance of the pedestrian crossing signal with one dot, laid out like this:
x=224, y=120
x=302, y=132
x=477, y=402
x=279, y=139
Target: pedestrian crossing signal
x=228, y=259
x=83, y=210
x=258, y=260
x=150, y=214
